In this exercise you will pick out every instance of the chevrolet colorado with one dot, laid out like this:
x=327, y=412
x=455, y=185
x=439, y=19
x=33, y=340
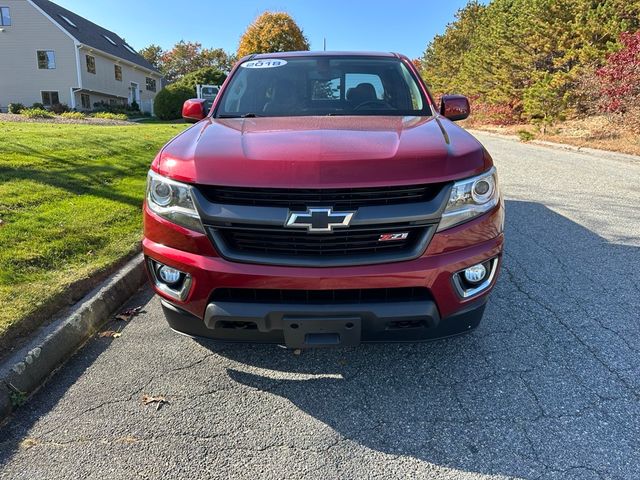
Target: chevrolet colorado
x=323, y=200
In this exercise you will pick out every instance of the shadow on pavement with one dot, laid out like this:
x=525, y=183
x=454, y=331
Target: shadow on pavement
x=541, y=387
x=547, y=386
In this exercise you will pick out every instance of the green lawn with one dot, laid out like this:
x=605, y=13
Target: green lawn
x=70, y=198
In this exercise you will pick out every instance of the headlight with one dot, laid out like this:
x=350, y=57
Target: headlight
x=172, y=201
x=471, y=197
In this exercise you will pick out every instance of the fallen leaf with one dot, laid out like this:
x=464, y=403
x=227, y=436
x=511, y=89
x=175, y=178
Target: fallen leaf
x=27, y=443
x=158, y=401
x=109, y=334
x=128, y=440
x=297, y=351
x=128, y=314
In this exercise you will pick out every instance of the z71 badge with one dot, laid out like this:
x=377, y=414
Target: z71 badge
x=390, y=237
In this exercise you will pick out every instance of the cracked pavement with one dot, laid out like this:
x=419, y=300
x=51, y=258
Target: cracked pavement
x=546, y=388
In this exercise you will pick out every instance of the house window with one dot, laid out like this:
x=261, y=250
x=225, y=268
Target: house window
x=50, y=98
x=85, y=100
x=46, y=59
x=91, y=64
x=151, y=84
x=118, y=71
x=5, y=17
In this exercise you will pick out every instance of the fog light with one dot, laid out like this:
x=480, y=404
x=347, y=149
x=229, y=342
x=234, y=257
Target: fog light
x=475, y=274
x=169, y=275
x=170, y=281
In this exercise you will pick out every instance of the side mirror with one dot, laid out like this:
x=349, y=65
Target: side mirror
x=455, y=107
x=193, y=110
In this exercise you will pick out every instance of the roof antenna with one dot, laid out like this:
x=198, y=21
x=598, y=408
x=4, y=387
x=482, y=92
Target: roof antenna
x=324, y=43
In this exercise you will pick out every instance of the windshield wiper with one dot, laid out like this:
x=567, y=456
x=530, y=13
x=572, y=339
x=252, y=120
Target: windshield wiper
x=246, y=115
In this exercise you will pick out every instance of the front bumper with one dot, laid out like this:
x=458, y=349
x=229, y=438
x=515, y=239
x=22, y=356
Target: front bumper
x=298, y=326
x=443, y=313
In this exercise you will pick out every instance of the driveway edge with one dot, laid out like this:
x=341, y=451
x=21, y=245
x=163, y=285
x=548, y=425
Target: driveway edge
x=22, y=373
x=619, y=156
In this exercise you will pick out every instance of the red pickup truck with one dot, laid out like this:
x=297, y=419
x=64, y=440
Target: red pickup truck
x=323, y=200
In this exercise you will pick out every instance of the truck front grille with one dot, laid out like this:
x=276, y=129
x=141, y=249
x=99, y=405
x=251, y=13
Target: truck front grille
x=339, y=198
x=286, y=246
x=389, y=224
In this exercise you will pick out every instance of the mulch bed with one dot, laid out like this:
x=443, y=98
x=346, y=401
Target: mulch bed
x=10, y=117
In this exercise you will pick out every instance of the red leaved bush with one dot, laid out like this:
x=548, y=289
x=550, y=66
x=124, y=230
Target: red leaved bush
x=619, y=80
x=494, y=113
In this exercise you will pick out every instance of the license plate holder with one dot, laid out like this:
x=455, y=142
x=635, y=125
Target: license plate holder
x=315, y=332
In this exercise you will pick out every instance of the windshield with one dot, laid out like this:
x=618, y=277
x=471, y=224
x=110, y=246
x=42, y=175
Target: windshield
x=323, y=85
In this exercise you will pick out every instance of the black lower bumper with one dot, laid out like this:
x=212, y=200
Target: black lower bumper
x=304, y=326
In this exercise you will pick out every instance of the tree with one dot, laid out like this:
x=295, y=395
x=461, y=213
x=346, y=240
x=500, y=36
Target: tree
x=272, y=32
x=153, y=54
x=186, y=57
x=527, y=57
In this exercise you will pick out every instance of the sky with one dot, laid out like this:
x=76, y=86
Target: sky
x=377, y=25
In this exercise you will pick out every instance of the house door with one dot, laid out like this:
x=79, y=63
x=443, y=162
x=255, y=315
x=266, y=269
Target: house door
x=134, y=93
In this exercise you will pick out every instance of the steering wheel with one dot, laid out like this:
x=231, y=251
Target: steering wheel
x=374, y=104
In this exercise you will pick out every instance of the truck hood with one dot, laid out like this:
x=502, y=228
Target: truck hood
x=322, y=152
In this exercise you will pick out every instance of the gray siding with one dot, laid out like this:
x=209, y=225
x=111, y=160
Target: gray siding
x=104, y=82
x=20, y=79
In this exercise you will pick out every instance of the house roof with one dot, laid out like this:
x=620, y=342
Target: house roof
x=92, y=35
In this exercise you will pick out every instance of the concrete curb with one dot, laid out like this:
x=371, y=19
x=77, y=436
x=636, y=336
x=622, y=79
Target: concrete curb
x=623, y=157
x=24, y=371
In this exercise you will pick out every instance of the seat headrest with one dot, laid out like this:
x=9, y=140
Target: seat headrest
x=364, y=92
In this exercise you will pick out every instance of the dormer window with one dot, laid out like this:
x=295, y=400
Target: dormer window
x=66, y=19
x=110, y=41
x=5, y=17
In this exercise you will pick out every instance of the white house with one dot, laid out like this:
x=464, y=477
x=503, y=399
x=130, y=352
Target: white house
x=51, y=55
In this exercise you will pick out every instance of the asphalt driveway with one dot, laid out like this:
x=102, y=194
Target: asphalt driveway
x=547, y=387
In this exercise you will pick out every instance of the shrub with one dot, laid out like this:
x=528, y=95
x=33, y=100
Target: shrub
x=133, y=107
x=37, y=113
x=73, y=115
x=38, y=106
x=107, y=107
x=495, y=113
x=110, y=116
x=525, y=135
x=59, y=108
x=619, y=81
x=101, y=107
x=16, y=108
x=203, y=76
x=168, y=103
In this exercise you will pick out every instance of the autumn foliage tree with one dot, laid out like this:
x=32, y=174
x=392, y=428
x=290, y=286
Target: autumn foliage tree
x=185, y=58
x=272, y=32
x=525, y=58
x=619, y=81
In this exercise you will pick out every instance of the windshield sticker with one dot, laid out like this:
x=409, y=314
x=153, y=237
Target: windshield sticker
x=268, y=63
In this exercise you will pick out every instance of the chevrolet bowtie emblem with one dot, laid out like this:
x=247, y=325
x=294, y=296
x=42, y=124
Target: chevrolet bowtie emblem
x=318, y=220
